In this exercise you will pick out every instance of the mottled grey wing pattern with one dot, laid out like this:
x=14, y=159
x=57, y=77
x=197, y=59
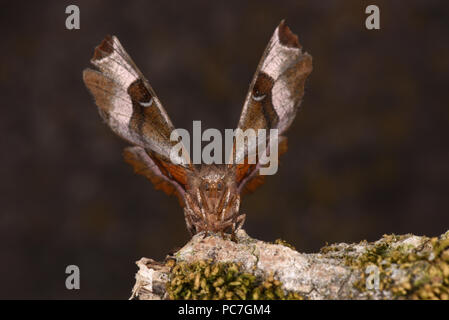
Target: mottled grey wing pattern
x=275, y=94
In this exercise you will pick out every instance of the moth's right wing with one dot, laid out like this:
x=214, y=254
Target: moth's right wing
x=273, y=99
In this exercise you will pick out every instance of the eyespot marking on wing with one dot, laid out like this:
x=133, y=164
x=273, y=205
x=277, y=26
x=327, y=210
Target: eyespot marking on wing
x=139, y=93
x=258, y=97
x=146, y=104
x=262, y=86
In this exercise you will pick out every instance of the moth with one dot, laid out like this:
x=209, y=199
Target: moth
x=209, y=194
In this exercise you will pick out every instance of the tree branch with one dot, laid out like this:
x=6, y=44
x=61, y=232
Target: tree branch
x=394, y=267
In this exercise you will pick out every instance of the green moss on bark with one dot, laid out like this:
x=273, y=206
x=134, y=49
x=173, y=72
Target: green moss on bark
x=284, y=243
x=423, y=270
x=205, y=280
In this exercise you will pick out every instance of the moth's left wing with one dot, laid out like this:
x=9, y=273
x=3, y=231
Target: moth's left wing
x=165, y=176
x=127, y=102
x=274, y=96
x=129, y=105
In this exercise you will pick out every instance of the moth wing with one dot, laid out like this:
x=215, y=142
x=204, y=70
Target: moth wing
x=127, y=103
x=155, y=170
x=274, y=96
x=277, y=87
x=247, y=175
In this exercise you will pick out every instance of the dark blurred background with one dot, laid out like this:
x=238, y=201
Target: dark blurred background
x=368, y=151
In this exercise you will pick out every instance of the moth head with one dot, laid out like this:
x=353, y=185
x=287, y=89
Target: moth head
x=212, y=188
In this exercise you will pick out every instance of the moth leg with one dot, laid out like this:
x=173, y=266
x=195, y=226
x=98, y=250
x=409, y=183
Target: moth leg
x=188, y=213
x=200, y=204
x=191, y=216
x=233, y=237
x=237, y=205
x=233, y=205
x=228, y=206
x=189, y=225
x=223, y=226
x=240, y=220
x=237, y=223
x=224, y=204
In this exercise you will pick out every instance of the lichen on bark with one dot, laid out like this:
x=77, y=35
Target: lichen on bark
x=394, y=267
